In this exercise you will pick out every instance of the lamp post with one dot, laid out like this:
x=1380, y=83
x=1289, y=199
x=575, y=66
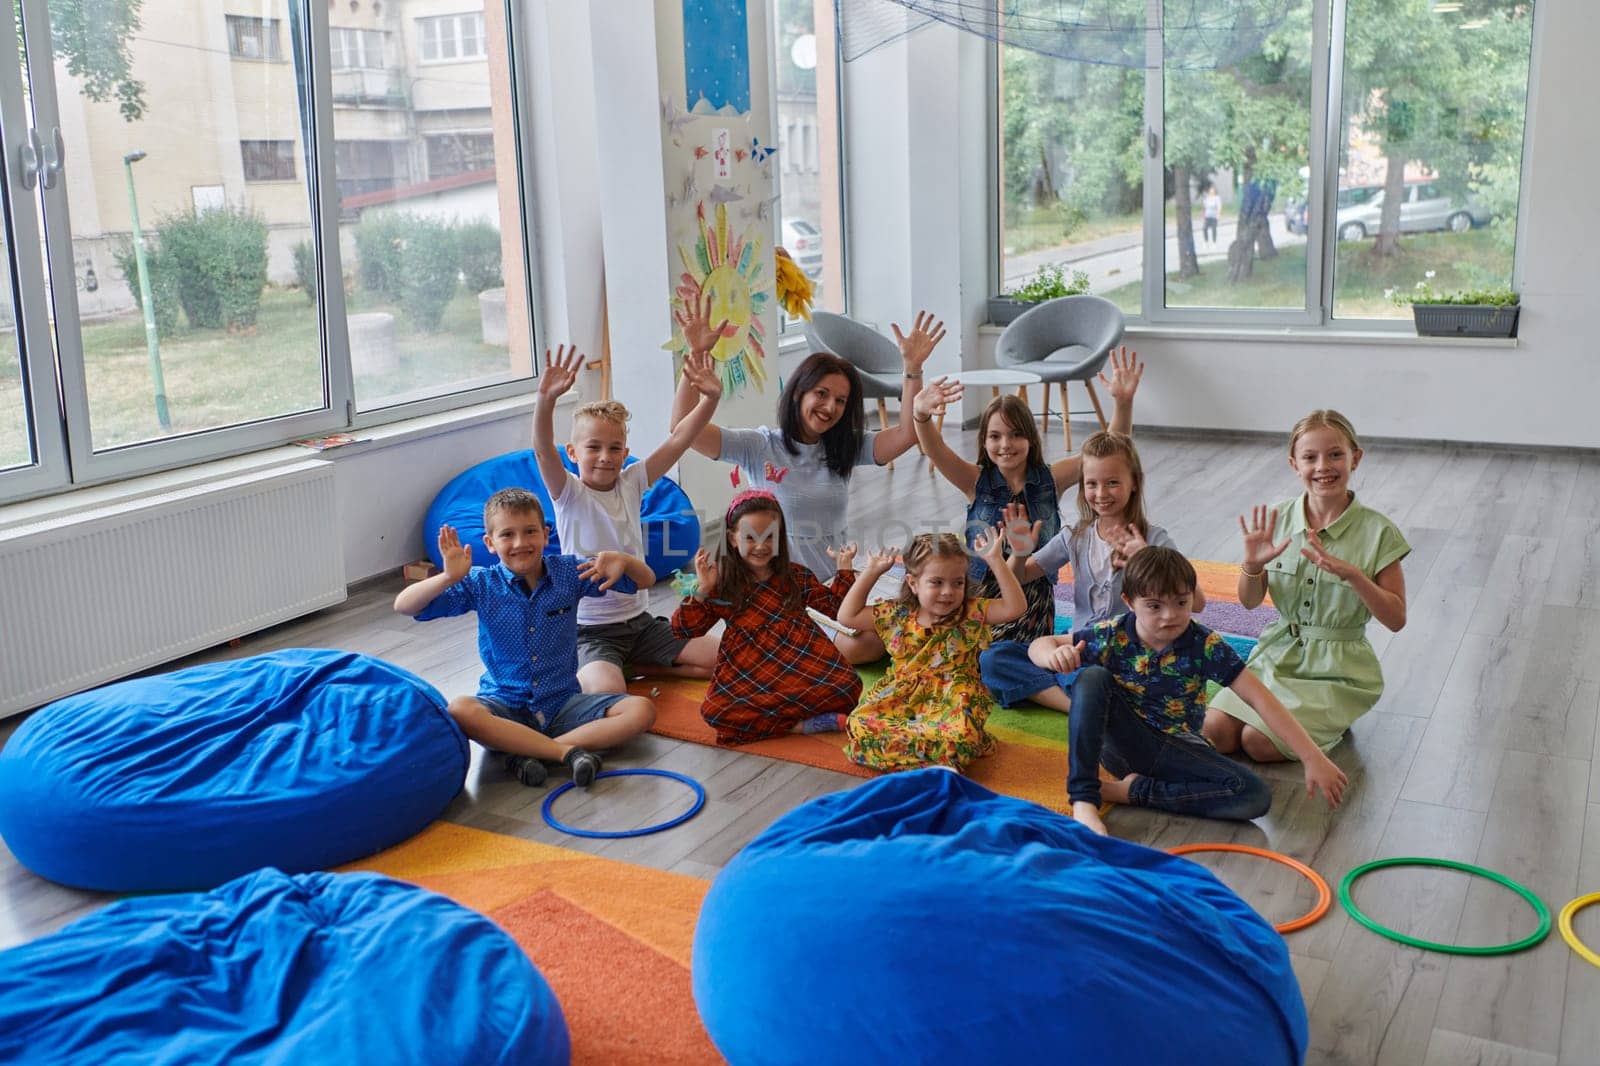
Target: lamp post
x=146, y=301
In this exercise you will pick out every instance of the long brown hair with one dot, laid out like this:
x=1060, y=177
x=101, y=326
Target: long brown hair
x=842, y=440
x=1020, y=419
x=924, y=549
x=735, y=580
x=1109, y=445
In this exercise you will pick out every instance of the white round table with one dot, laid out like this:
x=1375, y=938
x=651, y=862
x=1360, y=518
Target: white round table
x=995, y=379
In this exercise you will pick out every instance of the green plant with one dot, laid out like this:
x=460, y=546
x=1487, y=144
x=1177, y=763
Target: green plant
x=379, y=239
x=1049, y=283
x=305, y=269
x=163, y=283
x=428, y=272
x=1424, y=293
x=478, y=245
x=220, y=260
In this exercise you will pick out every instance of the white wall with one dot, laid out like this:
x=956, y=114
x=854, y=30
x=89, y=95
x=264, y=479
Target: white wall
x=1540, y=392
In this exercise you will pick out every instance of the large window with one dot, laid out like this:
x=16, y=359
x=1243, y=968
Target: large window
x=176, y=304
x=810, y=222
x=1310, y=165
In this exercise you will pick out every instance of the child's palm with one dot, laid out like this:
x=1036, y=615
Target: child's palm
x=560, y=371
x=1259, y=548
x=705, y=571
x=456, y=556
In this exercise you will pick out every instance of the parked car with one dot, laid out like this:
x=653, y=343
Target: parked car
x=803, y=241
x=1295, y=211
x=1426, y=207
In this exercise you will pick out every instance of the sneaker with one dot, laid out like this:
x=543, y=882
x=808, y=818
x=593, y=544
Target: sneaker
x=585, y=765
x=823, y=723
x=528, y=770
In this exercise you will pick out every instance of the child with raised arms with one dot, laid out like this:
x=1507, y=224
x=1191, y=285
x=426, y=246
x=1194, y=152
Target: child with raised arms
x=775, y=671
x=930, y=707
x=600, y=508
x=1111, y=528
x=1011, y=469
x=528, y=704
x=1343, y=572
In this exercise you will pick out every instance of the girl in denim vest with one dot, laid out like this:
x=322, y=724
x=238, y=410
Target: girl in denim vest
x=1011, y=469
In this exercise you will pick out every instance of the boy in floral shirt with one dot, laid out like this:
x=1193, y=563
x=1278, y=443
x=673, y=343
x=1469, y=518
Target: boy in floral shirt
x=1139, y=701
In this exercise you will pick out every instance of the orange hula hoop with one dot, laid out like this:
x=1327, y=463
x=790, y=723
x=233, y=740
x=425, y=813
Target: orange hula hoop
x=1324, y=896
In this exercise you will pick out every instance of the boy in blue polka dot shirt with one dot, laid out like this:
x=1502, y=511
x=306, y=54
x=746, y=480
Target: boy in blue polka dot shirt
x=528, y=704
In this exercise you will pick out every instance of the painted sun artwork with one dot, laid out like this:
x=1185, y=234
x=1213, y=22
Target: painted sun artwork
x=730, y=269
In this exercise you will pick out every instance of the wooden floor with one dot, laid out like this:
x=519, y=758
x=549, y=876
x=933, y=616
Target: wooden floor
x=1483, y=748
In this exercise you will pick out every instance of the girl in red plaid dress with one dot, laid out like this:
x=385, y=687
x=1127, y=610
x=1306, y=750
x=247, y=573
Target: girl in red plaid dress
x=776, y=672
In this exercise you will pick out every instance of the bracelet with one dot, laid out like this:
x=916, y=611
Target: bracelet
x=924, y=421
x=914, y=377
x=1252, y=573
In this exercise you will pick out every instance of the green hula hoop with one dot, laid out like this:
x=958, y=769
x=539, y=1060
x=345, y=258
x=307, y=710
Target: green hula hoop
x=1450, y=949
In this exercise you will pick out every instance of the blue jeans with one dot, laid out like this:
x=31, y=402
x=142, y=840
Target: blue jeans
x=1178, y=772
x=1011, y=676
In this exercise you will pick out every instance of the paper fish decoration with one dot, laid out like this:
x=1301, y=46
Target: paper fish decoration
x=675, y=120
x=724, y=194
x=700, y=151
x=738, y=155
x=764, y=208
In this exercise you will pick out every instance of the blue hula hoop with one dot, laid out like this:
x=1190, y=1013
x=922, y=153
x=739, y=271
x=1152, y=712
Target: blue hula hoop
x=699, y=801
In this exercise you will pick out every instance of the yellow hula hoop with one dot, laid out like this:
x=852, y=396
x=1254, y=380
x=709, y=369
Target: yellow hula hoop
x=1584, y=951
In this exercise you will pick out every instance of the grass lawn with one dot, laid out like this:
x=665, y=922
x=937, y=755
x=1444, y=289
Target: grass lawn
x=1459, y=260
x=215, y=378
x=1028, y=229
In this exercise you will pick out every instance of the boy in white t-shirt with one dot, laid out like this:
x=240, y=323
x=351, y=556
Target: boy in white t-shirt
x=600, y=509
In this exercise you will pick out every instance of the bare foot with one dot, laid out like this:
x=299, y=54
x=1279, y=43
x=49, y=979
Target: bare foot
x=1089, y=814
x=1117, y=791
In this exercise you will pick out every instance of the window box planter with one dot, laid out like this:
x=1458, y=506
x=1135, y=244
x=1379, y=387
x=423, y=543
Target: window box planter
x=1004, y=310
x=1466, y=320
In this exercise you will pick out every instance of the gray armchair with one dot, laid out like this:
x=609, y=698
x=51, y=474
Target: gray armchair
x=1062, y=340
x=875, y=357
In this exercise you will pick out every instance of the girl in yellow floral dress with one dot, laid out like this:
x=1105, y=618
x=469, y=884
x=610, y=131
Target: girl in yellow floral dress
x=930, y=707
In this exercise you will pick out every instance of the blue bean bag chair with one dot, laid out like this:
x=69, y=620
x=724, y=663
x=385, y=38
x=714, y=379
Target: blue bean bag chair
x=946, y=924
x=300, y=759
x=273, y=968
x=671, y=526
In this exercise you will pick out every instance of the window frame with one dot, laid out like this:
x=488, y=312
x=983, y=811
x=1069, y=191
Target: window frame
x=1328, y=22
x=62, y=436
x=280, y=160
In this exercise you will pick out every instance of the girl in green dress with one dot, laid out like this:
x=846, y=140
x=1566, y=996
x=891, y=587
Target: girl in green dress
x=1345, y=570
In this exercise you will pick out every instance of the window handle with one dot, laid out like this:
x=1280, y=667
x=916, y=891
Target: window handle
x=1152, y=142
x=54, y=155
x=28, y=157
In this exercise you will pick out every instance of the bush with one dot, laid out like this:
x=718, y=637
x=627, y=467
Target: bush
x=163, y=284
x=427, y=272
x=305, y=269
x=379, y=240
x=220, y=260
x=479, y=248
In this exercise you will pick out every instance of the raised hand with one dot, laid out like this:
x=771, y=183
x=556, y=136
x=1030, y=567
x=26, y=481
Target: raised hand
x=1258, y=547
x=882, y=561
x=1320, y=557
x=1125, y=541
x=916, y=346
x=457, y=556
x=1021, y=535
x=845, y=558
x=700, y=370
x=695, y=321
x=991, y=545
x=560, y=370
x=705, y=572
x=607, y=566
x=1065, y=658
x=1322, y=776
x=1126, y=370
x=931, y=400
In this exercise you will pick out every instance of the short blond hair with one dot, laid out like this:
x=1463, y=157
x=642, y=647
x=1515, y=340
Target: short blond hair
x=1324, y=418
x=605, y=411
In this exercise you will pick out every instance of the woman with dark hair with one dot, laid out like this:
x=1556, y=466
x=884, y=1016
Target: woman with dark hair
x=821, y=437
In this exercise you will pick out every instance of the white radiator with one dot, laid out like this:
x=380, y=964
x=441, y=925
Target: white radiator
x=97, y=595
